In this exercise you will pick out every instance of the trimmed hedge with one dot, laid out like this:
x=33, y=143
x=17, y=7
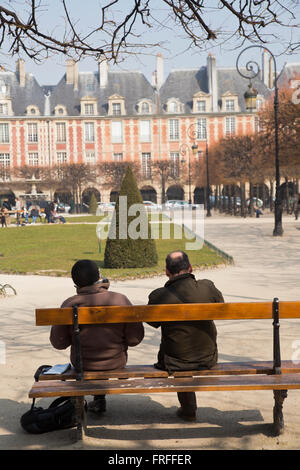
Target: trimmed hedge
x=129, y=243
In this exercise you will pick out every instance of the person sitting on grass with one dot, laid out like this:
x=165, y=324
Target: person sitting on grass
x=104, y=346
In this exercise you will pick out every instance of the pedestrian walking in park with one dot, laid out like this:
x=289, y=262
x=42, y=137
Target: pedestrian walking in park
x=186, y=345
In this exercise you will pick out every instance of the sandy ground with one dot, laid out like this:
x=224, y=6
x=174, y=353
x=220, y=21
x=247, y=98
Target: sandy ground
x=265, y=267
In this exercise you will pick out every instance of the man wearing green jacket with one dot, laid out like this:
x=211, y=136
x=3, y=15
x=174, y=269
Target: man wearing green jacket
x=186, y=345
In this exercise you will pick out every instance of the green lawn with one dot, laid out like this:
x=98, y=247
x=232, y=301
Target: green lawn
x=53, y=249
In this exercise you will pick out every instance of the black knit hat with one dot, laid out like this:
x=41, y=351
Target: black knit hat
x=85, y=273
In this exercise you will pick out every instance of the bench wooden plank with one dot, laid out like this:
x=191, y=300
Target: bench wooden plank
x=54, y=388
x=167, y=312
x=222, y=368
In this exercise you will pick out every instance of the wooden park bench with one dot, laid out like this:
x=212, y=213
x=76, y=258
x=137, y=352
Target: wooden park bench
x=275, y=375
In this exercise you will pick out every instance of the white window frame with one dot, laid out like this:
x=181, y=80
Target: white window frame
x=174, y=129
x=32, y=132
x=61, y=157
x=89, y=132
x=33, y=159
x=146, y=165
x=201, y=129
x=118, y=157
x=61, y=132
x=229, y=104
x=175, y=164
x=145, y=130
x=116, y=132
x=89, y=108
x=4, y=164
x=4, y=133
x=230, y=125
x=90, y=157
x=4, y=109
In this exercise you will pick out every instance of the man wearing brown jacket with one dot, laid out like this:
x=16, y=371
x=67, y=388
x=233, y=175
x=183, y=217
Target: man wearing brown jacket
x=186, y=345
x=103, y=346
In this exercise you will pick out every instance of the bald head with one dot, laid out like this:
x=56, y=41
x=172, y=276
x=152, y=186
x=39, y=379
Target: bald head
x=177, y=262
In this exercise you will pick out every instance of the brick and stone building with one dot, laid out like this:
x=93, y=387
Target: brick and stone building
x=93, y=117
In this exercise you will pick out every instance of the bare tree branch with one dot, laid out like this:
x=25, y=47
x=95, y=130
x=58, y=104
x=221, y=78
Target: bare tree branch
x=122, y=26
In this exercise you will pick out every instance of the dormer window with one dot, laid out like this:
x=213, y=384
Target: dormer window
x=60, y=110
x=3, y=109
x=201, y=102
x=173, y=107
x=4, y=89
x=88, y=106
x=116, y=105
x=230, y=102
x=144, y=106
x=116, y=109
x=32, y=110
x=229, y=105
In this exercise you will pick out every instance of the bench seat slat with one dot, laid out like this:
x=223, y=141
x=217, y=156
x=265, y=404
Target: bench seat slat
x=158, y=385
x=232, y=368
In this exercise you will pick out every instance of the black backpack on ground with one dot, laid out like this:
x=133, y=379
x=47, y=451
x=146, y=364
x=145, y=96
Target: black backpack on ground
x=59, y=415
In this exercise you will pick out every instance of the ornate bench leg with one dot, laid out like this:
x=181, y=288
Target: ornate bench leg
x=279, y=396
x=80, y=412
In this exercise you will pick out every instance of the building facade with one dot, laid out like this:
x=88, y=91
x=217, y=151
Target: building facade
x=105, y=116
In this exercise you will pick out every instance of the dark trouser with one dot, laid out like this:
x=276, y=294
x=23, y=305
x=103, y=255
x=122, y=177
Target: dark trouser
x=187, y=401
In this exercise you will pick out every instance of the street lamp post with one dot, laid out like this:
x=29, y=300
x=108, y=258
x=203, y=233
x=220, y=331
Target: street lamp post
x=250, y=99
x=186, y=148
x=208, y=214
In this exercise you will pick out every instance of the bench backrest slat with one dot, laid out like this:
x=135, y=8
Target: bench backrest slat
x=169, y=312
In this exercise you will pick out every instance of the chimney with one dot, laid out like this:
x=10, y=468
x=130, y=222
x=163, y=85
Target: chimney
x=159, y=70
x=20, y=69
x=212, y=81
x=72, y=73
x=103, y=72
x=265, y=69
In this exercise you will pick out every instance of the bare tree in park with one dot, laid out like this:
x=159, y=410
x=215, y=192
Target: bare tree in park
x=121, y=27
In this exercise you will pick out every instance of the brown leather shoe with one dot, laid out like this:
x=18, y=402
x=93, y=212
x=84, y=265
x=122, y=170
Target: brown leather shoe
x=186, y=416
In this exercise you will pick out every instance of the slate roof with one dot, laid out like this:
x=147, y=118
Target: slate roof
x=183, y=84
x=21, y=97
x=133, y=86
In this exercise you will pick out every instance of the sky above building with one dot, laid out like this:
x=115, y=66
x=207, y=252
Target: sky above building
x=177, y=51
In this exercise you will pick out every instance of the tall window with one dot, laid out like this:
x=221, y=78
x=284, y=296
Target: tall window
x=33, y=159
x=4, y=166
x=201, y=129
x=89, y=132
x=174, y=129
x=174, y=169
x=145, y=131
x=229, y=105
x=116, y=132
x=146, y=165
x=61, y=131
x=32, y=132
x=117, y=157
x=116, y=109
x=61, y=157
x=4, y=133
x=230, y=126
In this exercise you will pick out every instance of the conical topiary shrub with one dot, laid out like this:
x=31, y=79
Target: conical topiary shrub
x=129, y=243
x=93, y=206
